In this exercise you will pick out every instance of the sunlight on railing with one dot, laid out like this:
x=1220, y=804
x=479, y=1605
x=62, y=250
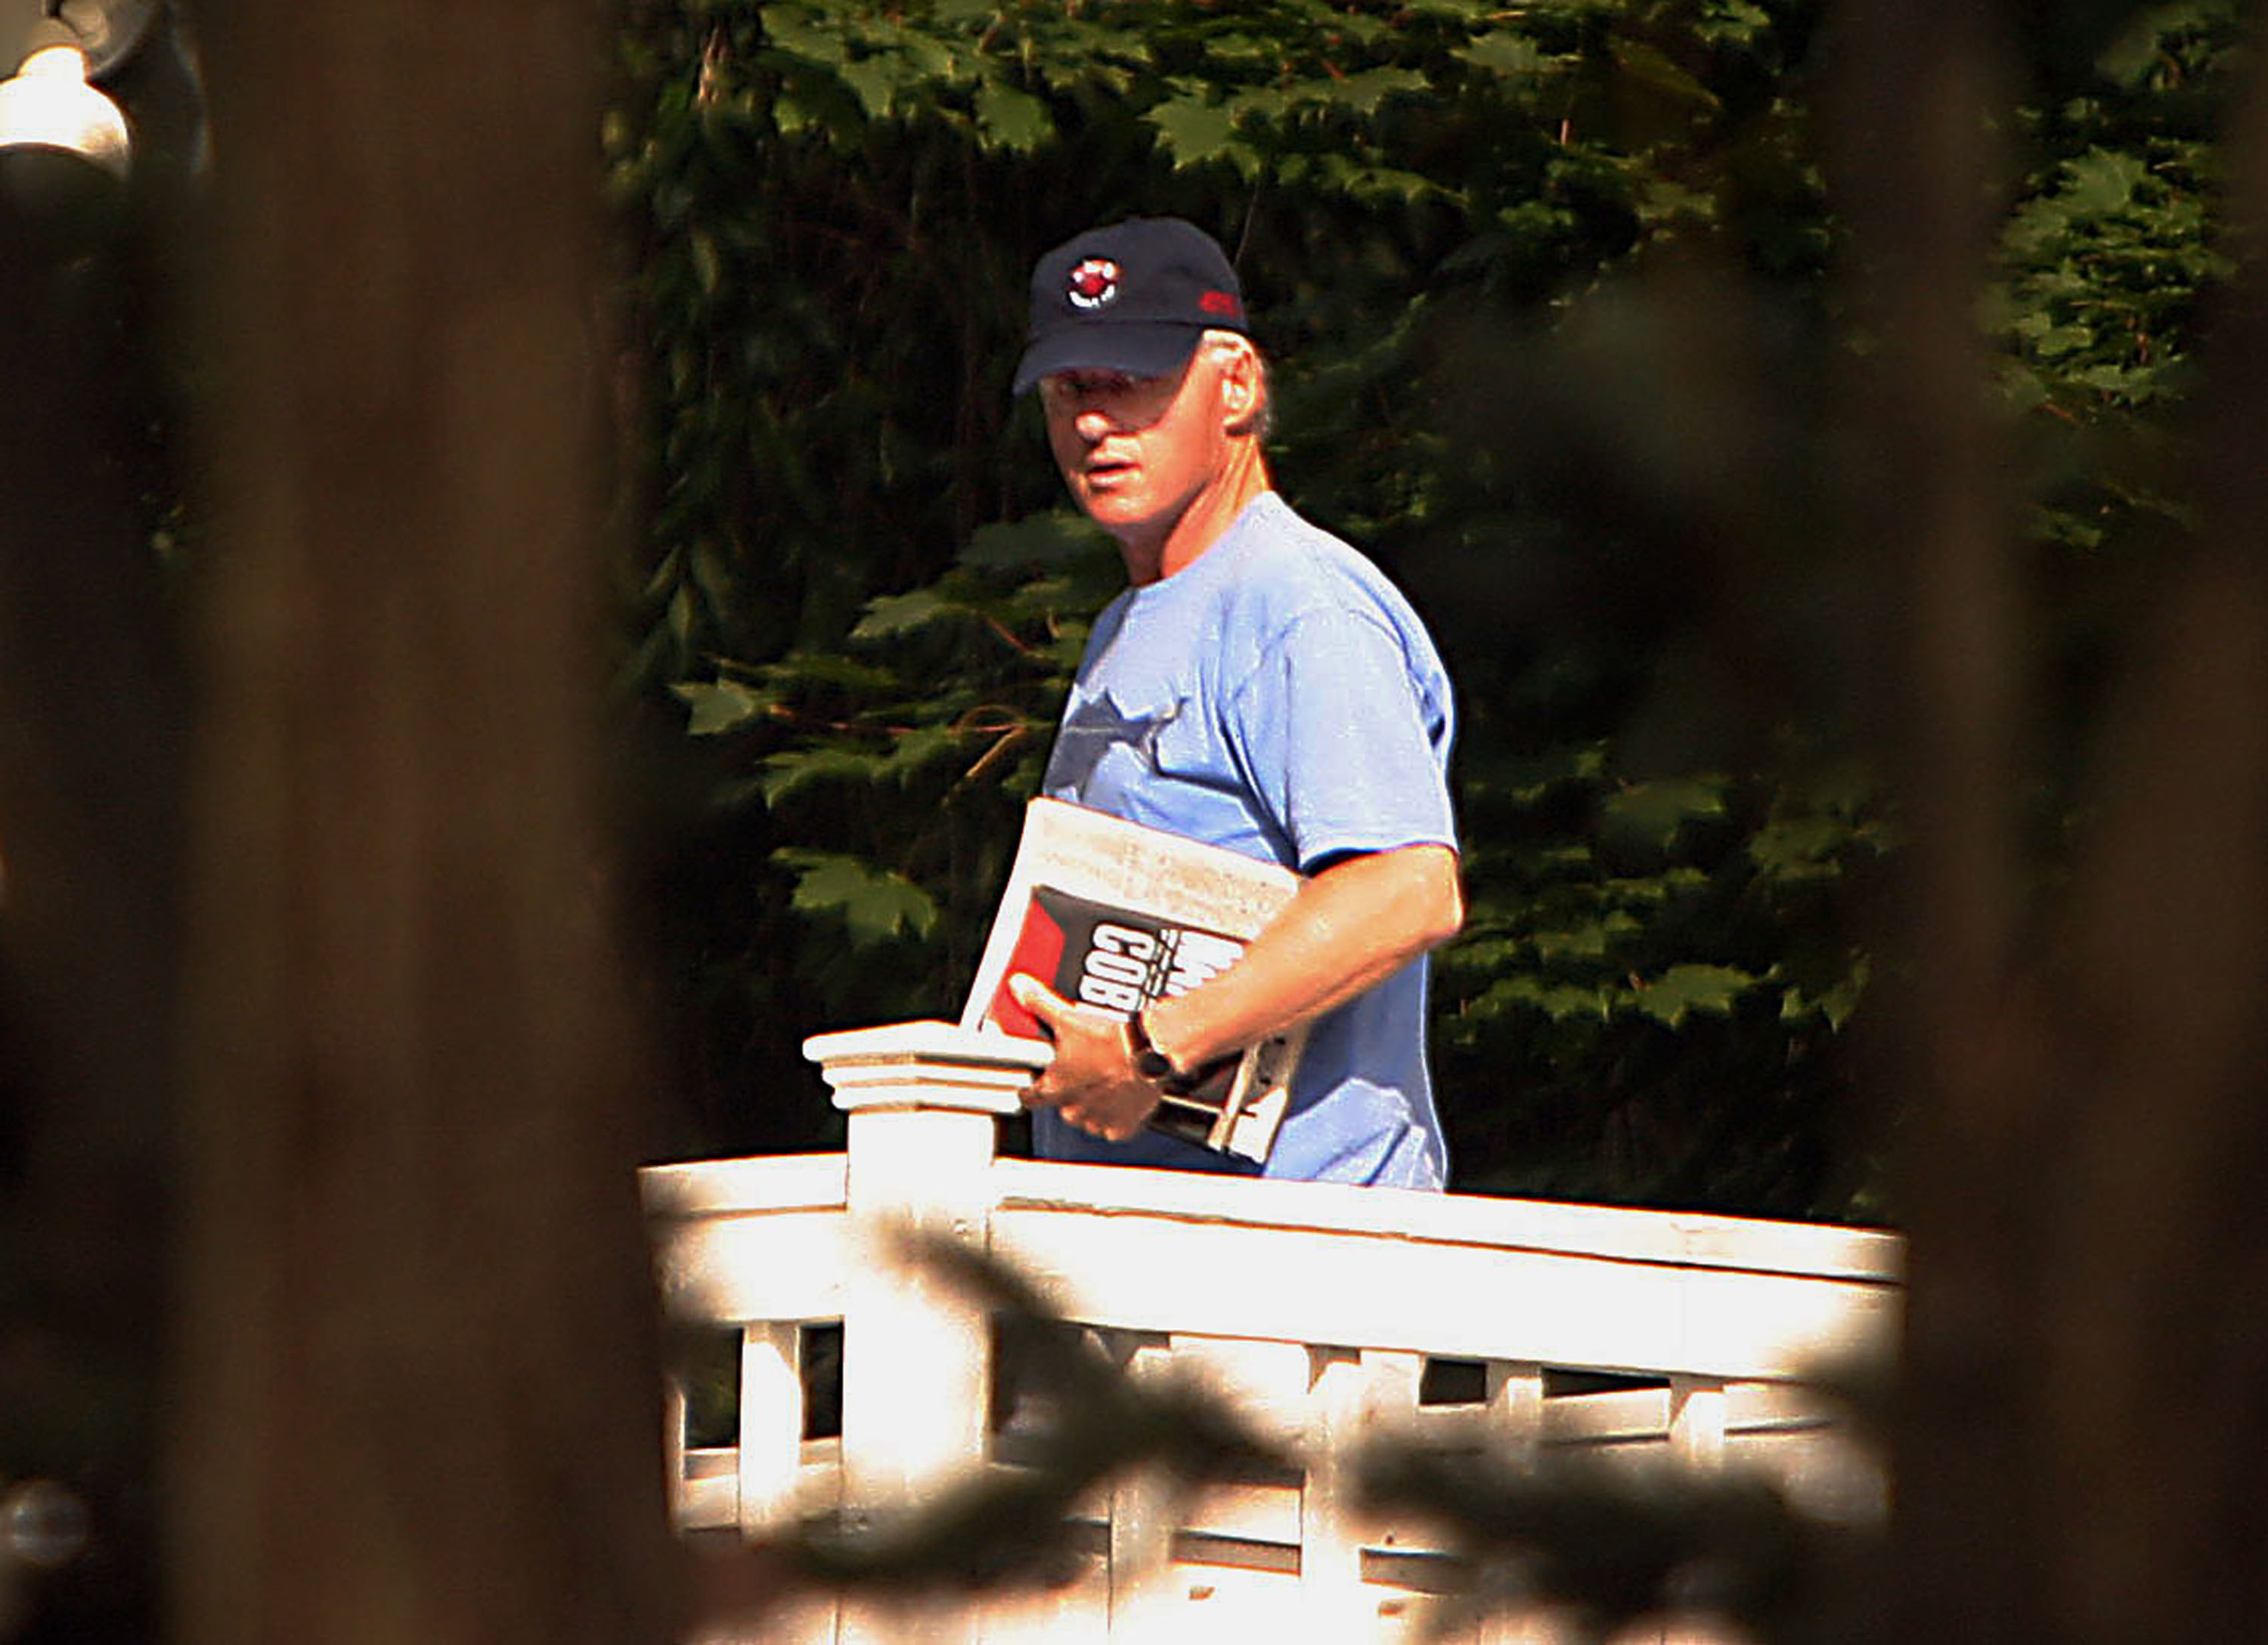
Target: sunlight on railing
x=1325, y=1318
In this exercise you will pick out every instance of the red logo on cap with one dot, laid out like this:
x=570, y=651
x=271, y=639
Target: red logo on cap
x=1222, y=303
x=1093, y=283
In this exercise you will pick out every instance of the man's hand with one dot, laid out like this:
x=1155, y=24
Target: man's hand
x=1092, y=1082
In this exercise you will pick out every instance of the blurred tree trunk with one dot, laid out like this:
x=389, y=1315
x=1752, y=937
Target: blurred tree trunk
x=93, y=717
x=419, y=1392
x=2086, y=1169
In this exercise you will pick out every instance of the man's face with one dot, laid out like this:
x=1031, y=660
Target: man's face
x=1137, y=450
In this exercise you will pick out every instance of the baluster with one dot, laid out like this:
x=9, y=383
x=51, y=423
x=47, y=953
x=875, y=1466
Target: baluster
x=1696, y=1420
x=672, y=1452
x=1330, y=1542
x=771, y=1425
x=1141, y=1533
x=1515, y=1408
x=1359, y=1397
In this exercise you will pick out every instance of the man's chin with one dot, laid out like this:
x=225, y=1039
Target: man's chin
x=1112, y=509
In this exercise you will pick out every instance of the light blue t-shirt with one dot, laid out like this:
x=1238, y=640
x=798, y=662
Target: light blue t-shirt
x=1278, y=695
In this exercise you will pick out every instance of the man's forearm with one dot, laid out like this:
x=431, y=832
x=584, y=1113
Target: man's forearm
x=1347, y=930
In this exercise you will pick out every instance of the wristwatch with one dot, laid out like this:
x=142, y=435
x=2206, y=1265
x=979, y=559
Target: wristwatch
x=1152, y=1064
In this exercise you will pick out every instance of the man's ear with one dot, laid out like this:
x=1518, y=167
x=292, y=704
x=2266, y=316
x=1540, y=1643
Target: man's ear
x=1243, y=389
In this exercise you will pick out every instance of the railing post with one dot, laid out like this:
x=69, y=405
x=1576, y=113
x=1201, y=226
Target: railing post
x=925, y=1101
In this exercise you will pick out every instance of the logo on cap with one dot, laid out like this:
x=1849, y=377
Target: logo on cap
x=1092, y=284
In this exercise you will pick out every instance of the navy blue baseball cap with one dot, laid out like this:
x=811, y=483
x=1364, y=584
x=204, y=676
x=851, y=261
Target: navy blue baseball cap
x=1132, y=298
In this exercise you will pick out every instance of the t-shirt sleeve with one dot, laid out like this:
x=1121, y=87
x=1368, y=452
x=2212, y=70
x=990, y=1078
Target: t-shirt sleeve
x=1340, y=742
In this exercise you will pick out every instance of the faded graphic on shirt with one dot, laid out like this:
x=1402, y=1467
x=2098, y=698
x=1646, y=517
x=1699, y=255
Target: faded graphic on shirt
x=1090, y=733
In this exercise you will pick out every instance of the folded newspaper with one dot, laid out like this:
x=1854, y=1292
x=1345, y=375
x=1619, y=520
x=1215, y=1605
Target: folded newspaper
x=1115, y=915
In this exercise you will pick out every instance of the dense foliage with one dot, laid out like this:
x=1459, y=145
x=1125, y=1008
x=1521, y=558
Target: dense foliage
x=1551, y=289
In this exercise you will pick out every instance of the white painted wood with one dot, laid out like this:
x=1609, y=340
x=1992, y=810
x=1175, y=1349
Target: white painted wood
x=1515, y=1406
x=1330, y=1536
x=1141, y=1528
x=673, y=1467
x=915, y=1350
x=1312, y=1306
x=1697, y=1421
x=1137, y=1269
x=708, y=1188
x=1590, y=1231
x=922, y=1099
x=769, y=1460
x=927, y=1064
x=707, y=1496
x=1265, y=1382
x=737, y=1266
x=1247, y=1510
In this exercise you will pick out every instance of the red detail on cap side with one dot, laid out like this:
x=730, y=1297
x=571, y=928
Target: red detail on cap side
x=1223, y=303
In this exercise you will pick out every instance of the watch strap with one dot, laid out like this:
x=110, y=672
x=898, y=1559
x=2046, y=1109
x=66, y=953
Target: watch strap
x=1152, y=1064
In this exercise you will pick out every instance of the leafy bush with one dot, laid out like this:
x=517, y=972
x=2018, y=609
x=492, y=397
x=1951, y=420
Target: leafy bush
x=1550, y=292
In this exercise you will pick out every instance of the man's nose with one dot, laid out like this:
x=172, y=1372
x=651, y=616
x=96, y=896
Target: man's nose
x=1092, y=421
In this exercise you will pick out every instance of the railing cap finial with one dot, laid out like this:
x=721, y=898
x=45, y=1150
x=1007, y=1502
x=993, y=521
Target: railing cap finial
x=927, y=1064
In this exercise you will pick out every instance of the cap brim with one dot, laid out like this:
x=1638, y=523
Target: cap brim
x=1138, y=348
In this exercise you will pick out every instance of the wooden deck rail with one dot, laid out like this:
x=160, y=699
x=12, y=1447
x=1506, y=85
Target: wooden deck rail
x=1314, y=1307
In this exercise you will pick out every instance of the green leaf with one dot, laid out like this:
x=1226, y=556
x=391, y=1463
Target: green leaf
x=791, y=771
x=830, y=668
x=2135, y=52
x=1656, y=811
x=911, y=750
x=1193, y=130
x=1036, y=541
x=1650, y=67
x=1802, y=846
x=1364, y=92
x=1588, y=942
x=707, y=267
x=1501, y=52
x=1837, y=1002
x=1559, y=1001
x=889, y=615
x=1684, y=989
x=874, y=81
x=1013, y=119
x=2102, y=181
x=722, y=705
x=799, y=29
x=873, y=905
x=1262, y=103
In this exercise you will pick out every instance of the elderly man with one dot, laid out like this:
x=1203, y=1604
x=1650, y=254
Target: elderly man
x=1260, y=686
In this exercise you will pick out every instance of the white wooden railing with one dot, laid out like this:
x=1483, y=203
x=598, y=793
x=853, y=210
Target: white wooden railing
x=1313, y=1308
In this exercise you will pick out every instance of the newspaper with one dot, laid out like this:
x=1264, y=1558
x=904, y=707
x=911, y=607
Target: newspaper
x=1114, y=915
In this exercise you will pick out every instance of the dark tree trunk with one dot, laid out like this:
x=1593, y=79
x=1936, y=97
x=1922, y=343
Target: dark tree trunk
x=93, y=721
x=418, y=1393
x=2086, y=1169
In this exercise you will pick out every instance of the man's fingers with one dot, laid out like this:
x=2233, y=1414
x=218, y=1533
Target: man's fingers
x=1038, y=999
x=1046, y=1005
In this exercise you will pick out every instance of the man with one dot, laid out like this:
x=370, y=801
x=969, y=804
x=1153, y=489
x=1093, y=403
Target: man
x=1260, y=686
